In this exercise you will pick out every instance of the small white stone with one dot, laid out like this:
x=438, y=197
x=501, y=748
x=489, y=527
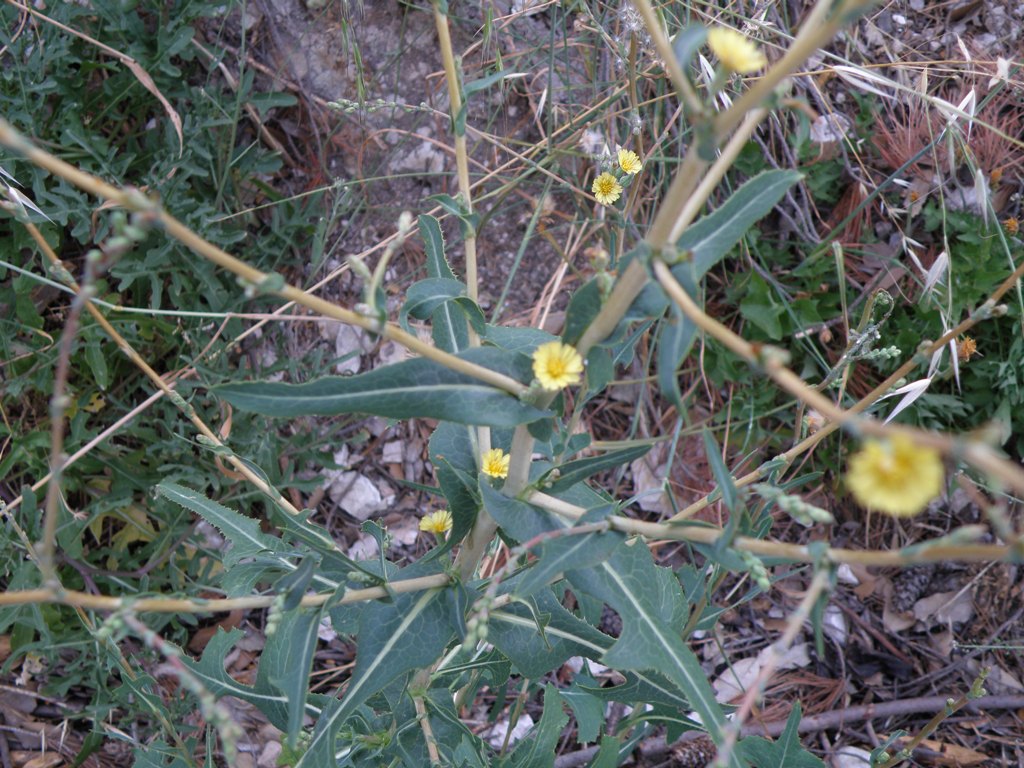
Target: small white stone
x=851, y=757
x=845, y=575
x=350, y=343
x=834, y=624
x=356, y=494
x=365, y=548
x=496, y=738
x=391, y=352
x=326, y=630
x=827, y=129
x=392, y=453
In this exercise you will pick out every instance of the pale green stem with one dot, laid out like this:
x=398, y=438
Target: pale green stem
x=461, y=155
x=451, y=73
x=176, y=605
x=679, y=193
x=627, y=288
x=479, y=538
x=792, y=552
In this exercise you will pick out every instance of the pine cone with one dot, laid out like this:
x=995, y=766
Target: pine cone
x=695, y=753
x=909, y=585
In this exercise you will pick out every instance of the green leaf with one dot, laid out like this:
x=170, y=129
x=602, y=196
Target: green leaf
x=651, y=605
x=540, y=746
x=482, y=84
x=418, y=388
x=538, y=634
x=452, y=736
x=451, y=453
x=668, y=609
x=583, y=308
x=468, y=222
x=564, y=553
x=726, y=485
x=433, y=246
x=269, y=699
x=538, y=649
x=608, y=755
x=677, y=336
x=425, y=296
x=687, y=42
x=334, y=562
x=243, y=532
x=573, y=472
x=600, y=369
x=786, y=751
x=97, y=362
x=588, y=708
x=294, y=585
x=713, y=236
x=286, y=662
x=394, y=639
x=518, y=519
x=523, y=340
x=155, y=755
x=760, y=307
x=448, y=328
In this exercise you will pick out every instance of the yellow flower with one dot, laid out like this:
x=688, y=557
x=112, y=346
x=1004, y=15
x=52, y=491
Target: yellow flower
x=437, y=523
x=629, y=162
x=895, y=476
x=494, y=463
x=606, y=189
x=735, y=51
x=557, y=365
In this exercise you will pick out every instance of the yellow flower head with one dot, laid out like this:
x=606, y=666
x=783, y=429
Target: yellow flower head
x=606, y=189
x=437, y=523
x=735, y=51
x=557, y=365
x=895, y=476
x=494, y=463
x=629, y=162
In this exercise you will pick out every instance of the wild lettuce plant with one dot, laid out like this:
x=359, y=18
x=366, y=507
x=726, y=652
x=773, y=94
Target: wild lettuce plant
x=514, y=471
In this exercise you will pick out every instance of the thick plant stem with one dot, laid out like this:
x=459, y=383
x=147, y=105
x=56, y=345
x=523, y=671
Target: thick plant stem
x=176, y=605
x=678, y=195
x=796, y=553
x=627, y=288
x=479, y=538
x=451, y=74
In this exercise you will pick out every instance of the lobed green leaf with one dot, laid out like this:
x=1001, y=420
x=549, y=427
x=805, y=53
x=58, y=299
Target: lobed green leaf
x=418, y=388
